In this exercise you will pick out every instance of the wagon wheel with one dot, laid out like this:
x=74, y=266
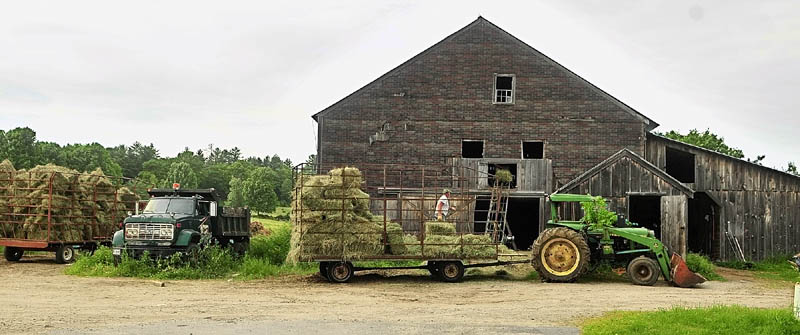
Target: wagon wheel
x=643, y=270
x=451, y=271
x=340, y=272
x=13, y=254
x=560, y=255
x=65, y=254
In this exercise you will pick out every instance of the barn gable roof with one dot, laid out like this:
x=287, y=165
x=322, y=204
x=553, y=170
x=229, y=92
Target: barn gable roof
x=650, y=124
x=634, y=158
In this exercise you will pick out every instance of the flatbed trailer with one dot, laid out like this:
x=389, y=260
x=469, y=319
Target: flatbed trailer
x=60, y=212
x=401, y=201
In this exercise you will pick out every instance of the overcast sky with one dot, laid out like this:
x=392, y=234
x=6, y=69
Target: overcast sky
x=250, y=74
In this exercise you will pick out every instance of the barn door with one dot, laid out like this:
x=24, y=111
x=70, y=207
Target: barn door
x=674, y=216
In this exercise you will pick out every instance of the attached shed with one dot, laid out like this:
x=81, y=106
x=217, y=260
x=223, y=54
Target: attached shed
x=638, y=189
x=735, y=200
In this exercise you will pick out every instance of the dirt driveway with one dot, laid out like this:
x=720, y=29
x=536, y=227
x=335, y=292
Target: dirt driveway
x=36, y=297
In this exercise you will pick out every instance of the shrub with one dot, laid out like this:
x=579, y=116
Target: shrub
x=273, y=247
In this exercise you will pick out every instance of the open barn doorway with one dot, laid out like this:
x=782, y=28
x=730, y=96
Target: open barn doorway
x=523, y=219
x=702, y=223
x=645, y=210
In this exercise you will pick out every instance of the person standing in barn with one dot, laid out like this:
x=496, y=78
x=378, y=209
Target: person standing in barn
x=443, y=205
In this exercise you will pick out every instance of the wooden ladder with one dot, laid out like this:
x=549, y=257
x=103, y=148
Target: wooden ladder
x=496, y=221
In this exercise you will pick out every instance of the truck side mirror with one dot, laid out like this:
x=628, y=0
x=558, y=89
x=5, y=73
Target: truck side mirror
x=212, y=208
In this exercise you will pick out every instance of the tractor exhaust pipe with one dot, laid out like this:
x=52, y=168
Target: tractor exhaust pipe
x=681, y=275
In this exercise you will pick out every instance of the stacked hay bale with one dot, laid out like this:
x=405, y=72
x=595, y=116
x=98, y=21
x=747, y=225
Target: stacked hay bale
x=7, y=173
x=442, y=241
x=331, y=218
x=78, y=206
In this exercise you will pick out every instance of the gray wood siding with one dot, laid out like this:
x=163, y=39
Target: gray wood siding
x=758, y=205
x=533, y=175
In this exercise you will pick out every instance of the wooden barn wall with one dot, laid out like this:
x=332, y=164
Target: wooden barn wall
x=615, y=182
x=759, y=206
x=620, y=179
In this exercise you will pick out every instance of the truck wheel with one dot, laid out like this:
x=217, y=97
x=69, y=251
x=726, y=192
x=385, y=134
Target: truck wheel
x=340, y=272
x=451, y=271
x=560, y=255
x=65, y=254
x=643, y=270
x=13, y=254
x=323, y=270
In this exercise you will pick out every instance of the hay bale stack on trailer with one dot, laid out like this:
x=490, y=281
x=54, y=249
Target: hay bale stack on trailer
x=332, y=224
x=53, y=208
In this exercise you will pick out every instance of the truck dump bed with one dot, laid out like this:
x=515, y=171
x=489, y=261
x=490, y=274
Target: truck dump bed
x=50, y=205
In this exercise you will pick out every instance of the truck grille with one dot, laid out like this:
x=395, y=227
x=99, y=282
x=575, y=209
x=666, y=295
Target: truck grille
x=149, y=231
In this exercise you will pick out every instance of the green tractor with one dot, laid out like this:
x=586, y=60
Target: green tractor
x=566, y=249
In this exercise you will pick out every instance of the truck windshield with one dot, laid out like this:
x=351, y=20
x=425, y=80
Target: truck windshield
x=182, y=206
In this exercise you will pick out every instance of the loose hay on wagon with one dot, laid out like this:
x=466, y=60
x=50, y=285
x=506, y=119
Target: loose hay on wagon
x=53, y=208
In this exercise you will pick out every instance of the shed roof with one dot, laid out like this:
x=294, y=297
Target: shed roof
x=635, y=158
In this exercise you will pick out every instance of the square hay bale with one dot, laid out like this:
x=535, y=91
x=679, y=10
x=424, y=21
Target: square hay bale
x=439, y=228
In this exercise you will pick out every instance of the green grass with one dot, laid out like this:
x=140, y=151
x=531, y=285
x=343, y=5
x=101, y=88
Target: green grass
x=700, y=321
x=700, y=264
x=264, y=259
x=775, y=268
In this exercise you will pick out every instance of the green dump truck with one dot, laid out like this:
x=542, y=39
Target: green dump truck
x=182, y=220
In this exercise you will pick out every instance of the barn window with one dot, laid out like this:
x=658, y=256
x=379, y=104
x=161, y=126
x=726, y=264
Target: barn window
x=471, y=149
x=680, y=164
x=504, y=88
x=532, y=149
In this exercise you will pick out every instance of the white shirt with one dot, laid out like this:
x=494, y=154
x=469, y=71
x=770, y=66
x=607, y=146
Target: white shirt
x=445, y=205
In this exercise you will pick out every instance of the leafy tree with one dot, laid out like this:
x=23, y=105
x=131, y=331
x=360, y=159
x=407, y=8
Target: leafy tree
x=48, y=152
x=88, y=157
x=259, y=190
x=236, y=193
x=707, y=140
x=131, y=158
x=182, y=173
x=792, y=168
x=20, y=147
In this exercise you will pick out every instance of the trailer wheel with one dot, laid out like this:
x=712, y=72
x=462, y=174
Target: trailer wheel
x=13, y=254
x=560, y=255
x=65, y=254
x=451, y=271
x=340, y=272
x=643, y=270
x=323, y=270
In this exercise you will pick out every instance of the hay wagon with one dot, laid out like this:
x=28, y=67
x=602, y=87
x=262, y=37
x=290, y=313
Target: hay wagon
x=387, y=212
x=50, y=208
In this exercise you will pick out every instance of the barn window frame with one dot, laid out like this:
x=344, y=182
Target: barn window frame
x=504, y=96
x=483, y=147
x=522, y=148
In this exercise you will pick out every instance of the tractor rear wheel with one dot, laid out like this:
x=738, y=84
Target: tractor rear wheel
x=560, y=255
x=643, y=270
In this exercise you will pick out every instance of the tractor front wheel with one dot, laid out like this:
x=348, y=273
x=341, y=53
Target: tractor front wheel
x=643, y=270
x=560, y=255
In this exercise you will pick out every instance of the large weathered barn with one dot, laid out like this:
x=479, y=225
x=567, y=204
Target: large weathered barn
x=481, y=98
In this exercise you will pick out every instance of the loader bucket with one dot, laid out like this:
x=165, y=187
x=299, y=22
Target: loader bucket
x=681, y=275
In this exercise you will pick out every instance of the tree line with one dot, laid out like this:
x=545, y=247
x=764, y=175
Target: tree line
x=259, y=183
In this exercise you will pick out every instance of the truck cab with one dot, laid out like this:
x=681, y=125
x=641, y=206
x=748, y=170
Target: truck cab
x=182, y=220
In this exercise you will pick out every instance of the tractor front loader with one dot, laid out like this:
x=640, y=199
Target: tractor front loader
x=565, y=250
